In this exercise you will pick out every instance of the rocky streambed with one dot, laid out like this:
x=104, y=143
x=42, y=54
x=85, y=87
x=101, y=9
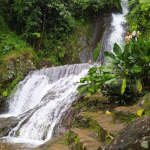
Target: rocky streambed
x=87, y=120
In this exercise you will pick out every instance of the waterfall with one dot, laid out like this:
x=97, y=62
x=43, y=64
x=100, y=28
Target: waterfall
x=44, y=95
x=42, y=99
x=116, y=32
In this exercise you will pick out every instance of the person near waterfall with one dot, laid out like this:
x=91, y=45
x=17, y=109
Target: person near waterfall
x=128, y=37
x=135, y=35
x=45, y=66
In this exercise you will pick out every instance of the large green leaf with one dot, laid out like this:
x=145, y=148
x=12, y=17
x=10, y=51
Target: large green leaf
x=111, y=81
x=126, y=53
x=112, y=65
x=82, y=88
x=136, y=69
x=106, y=69
x=92, y=70
x=91, y=89
x=83, y=80
x=110, y=57
x=117, y=50
x=139, y=85
x=124, y=84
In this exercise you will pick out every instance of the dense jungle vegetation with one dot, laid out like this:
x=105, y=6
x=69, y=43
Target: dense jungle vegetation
x=46, y=25
x=126, y=76
x=39, y=30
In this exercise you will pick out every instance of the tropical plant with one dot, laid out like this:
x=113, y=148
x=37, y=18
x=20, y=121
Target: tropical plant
x=47, y=24
x=129, y=97
x=93, y=82
x=138, y=17
x=130, y=65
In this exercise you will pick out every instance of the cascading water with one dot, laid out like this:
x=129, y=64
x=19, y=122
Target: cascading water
x=43, y=96
x=42, y=99
x=116, y=33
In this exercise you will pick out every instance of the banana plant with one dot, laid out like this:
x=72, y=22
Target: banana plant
x=131, y=64
x=121, y=65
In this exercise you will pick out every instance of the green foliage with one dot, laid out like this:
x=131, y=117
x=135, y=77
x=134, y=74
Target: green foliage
x=147, y=104
x=12, y=50
x=47, y=24
x=12, y=85
x=5, y=93
x=129, y=97
x=10, y=42
x=127, y=118
x=130, y=64
x=93, y=82
x=96, y=52
x=70, y=138
x=139, y=18
x=108, y=139
x=144, y=1
x=90, y=104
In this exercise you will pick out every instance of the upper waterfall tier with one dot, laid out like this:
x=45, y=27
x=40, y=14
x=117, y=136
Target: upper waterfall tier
x=116, y=32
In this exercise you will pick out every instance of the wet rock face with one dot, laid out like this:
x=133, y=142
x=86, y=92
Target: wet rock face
x=65, y=123
x=3, y=105
x=14, y=66
x=6, y=124
x=135, y=136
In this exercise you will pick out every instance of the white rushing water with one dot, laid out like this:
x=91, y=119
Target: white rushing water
x=117, y=35
x=116, y=32
x=42, y=99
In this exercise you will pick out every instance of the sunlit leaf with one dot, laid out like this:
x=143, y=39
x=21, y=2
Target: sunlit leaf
x=123, y=86
x=139, y=85
x=140, y=112
x=108, y=113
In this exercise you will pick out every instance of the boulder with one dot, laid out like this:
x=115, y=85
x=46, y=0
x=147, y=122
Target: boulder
x=135, y=136
x=6, y=124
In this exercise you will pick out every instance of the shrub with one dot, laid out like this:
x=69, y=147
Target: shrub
x=130, y=64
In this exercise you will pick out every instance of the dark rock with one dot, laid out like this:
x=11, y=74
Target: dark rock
x=126, y=112
x=47, y=145
x=3, y=105
x=65, y=122
x=80, y=99
x=144, y=99
x=141, y=101
x=63, y=130
x=135, y=136
x=6, y=124
x=72, y=146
